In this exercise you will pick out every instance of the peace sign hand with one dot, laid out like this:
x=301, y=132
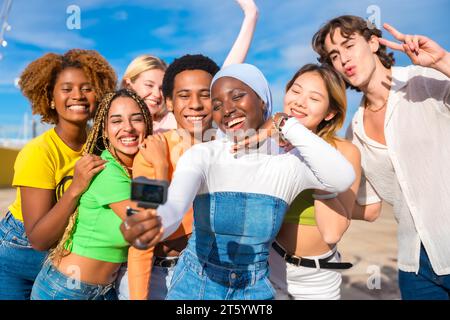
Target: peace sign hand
x=421, y=50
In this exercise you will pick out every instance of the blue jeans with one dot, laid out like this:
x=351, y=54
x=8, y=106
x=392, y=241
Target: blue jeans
x=51, y=284
x=194, y=279
x=160, y=282
x=19, y=262
x=426, y=285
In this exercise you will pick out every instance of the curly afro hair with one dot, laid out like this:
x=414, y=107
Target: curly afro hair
x=186, y=62
x=38, y=79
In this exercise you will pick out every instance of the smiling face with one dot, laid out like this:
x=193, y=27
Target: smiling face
x=236, y=107
x=74, y=96
x=125, y=122
x=353, y=57
x=191, y=100
x=148, y=86
x=308, y=100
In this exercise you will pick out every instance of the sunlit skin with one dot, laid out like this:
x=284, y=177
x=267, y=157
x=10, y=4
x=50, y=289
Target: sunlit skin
x=356, y=60
x=353, y=57
x=148, y=86
x=236, y=107
x=307, y=100
x=124, y=125
x=191, y=101
x=75, y=102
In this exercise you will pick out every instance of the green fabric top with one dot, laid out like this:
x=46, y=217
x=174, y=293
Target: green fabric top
x=301, y=211
x=97, y=234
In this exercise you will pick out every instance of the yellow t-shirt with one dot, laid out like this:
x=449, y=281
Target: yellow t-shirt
x=45, y=162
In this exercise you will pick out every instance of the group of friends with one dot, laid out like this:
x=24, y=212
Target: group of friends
x=257, y=201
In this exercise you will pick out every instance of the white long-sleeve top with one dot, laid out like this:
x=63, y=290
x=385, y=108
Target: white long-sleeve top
x=210, y=167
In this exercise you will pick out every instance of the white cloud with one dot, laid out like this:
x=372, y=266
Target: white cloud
x=164, y=31
x=43, y=24
x=281, y=44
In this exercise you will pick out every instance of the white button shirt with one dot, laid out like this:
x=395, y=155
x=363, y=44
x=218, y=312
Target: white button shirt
x=417, y=132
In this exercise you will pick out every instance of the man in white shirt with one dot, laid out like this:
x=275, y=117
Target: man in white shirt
x=402, y=129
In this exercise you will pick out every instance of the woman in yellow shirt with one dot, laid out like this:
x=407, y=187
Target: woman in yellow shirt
x=50, y=172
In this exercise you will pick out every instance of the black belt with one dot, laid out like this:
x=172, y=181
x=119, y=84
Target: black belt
x=308, y=263
x=164, y=262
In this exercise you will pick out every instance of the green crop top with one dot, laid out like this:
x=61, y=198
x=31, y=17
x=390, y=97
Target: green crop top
x=301, y=210
x=97, y=234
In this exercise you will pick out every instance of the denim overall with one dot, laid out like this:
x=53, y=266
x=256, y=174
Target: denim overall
x=226, y=257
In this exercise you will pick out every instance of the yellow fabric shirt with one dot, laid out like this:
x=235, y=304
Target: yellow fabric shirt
x=45, y=162
x=301, y=211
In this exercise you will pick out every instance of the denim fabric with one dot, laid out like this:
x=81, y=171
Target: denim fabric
x=19, y=262
x=160, y=282
x=51, y=284
x=195, y=279
x=226, y=257
x=426, y=284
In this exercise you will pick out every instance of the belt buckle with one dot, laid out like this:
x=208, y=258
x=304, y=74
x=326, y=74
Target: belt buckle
x=172, y=262
x=298, y=262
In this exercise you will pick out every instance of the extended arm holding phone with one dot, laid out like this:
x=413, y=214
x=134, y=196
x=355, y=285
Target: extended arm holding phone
x=148, y=193
x=180, y=195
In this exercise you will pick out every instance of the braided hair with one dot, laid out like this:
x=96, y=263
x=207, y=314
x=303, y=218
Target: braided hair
x=96, y=144
x=97, y=140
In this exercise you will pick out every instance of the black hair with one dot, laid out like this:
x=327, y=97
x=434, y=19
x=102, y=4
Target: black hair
x=186, y=62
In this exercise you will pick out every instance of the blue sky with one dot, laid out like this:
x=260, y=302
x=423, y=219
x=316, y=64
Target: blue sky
x=120, y=30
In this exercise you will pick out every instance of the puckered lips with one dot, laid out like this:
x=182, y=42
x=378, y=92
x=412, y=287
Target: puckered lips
x=350, y=71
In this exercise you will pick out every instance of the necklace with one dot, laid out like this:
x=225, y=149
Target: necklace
x=366, y=105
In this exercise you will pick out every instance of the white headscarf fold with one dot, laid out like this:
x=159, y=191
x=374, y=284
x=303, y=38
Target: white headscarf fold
x=251, y=76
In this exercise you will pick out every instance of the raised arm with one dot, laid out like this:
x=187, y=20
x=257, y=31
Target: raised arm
x=242, y=43
x=421, y=50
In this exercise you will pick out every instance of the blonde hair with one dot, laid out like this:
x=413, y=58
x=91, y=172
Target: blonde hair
x=140, y=64
x=96, y=143
x=336, y=96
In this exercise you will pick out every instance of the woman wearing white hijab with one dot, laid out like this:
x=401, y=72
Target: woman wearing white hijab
x=239, y=199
